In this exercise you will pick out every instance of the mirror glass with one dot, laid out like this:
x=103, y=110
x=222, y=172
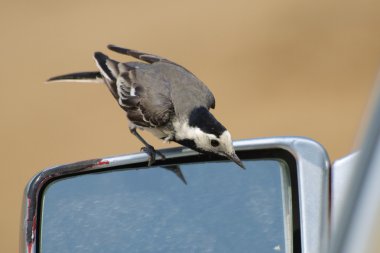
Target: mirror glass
x=222, y=208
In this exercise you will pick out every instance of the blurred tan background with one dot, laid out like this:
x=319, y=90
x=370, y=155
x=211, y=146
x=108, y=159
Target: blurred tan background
x=276, y=68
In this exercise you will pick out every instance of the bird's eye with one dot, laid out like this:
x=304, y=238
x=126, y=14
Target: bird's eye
x=214, y=143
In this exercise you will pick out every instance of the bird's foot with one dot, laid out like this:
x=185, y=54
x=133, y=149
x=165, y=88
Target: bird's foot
x=151, y=152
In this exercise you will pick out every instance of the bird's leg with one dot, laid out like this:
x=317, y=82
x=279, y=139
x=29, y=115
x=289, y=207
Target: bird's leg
x=149, y=149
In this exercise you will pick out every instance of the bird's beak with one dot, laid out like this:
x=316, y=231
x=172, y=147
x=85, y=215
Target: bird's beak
x=235, y=159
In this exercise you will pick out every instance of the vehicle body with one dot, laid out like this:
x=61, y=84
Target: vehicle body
x=324, y=207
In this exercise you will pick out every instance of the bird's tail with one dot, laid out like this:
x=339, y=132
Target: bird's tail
x=109, y=70
x=81, y=77
x=107, y=74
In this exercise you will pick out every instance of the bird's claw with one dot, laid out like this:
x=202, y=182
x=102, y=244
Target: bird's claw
x=151, y=152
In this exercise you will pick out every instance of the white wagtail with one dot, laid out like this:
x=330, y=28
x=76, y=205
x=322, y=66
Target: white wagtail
x=163, y=98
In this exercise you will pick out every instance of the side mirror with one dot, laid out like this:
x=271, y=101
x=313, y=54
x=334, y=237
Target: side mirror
x=188, y=202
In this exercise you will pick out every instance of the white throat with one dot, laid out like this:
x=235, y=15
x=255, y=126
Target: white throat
x=202, y=139
x=184, y=131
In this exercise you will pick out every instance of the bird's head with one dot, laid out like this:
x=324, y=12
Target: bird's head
x=220, y=145
x=205, y=134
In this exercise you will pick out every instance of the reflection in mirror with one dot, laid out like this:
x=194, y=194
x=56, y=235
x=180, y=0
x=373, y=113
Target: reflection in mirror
x=221, y=209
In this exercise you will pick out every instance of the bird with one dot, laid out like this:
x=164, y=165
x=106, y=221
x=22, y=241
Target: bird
x=163, y=98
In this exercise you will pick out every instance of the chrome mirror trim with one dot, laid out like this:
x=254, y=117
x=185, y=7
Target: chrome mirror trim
x=313, y=168
x=343, y=170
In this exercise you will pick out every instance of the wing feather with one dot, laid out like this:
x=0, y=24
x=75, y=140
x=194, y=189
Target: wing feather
x=155, y=59
x=133, y=86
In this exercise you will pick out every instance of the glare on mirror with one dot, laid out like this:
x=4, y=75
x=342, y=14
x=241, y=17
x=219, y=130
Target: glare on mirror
x=221, y=209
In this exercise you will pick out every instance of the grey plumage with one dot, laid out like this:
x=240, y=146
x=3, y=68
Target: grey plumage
x=162, y=89
x=164, y=98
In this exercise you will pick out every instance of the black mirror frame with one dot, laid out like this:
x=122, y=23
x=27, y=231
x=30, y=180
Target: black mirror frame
x=306, y=159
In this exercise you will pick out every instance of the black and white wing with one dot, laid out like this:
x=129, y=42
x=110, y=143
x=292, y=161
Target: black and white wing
x=205, y=96
x=139, y=90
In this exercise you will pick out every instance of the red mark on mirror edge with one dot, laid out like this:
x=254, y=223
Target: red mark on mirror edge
x=103, y=162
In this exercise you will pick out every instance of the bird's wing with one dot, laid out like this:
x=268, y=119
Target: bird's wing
x=206, y=97
x=139, y=90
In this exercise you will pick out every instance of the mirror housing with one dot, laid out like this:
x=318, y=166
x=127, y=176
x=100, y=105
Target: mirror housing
x=307, y=161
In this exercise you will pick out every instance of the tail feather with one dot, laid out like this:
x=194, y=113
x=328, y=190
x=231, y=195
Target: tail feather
x=109, y=72
x=83, y=77
x=150, y=58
